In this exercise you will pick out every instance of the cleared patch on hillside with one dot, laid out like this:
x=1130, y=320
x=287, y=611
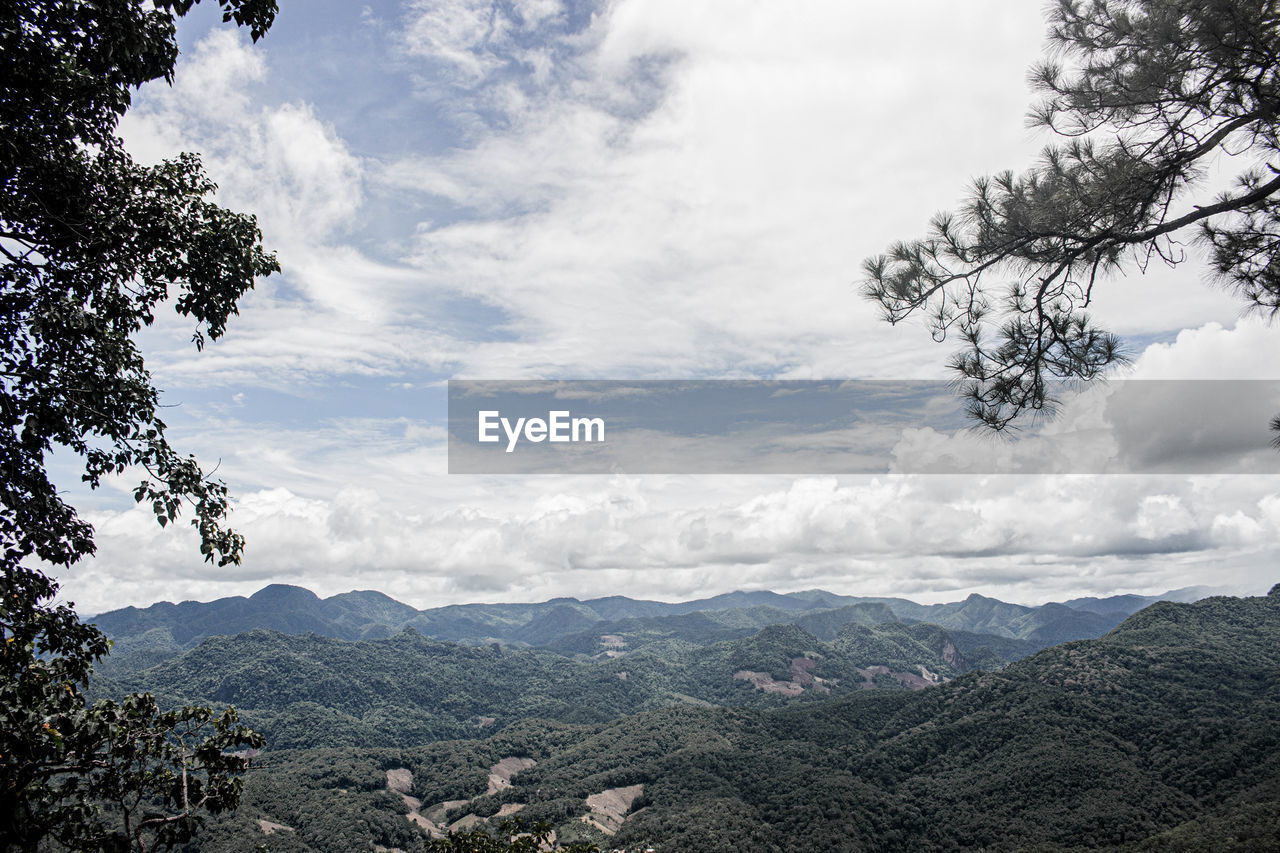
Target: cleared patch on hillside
x=400, y=781
x=500, y=774
x=609, y=808
x=437, y=812
x=464, y=823
x=910, y=680
x=270, y=826
x=802, y=678
x=764, y=681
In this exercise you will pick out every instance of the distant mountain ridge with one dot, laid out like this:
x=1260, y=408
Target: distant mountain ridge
x=371, y=615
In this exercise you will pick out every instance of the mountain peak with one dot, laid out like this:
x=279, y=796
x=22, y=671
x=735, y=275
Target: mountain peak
x=282, y=592
x=362, y=595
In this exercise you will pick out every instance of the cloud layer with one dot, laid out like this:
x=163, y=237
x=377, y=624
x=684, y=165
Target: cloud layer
x=935, y=538
x=632, y=189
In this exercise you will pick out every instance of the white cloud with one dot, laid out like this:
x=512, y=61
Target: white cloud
x=454, y=34
x=679, y=192
x=433, y=539
x=718, y=229
x=668, y=190
x=282, y=163
x=1162, y=517
x=1250, y=349
x=334, y=311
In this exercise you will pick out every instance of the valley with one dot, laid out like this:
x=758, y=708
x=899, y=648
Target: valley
x=841, y=726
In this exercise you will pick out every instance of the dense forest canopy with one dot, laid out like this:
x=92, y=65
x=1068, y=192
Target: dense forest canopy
x=1159, y=735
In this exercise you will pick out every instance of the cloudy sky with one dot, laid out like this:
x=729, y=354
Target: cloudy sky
x=635, y=189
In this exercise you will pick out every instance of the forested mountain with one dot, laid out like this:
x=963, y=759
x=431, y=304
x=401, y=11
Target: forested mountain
x=1162, y=735
x=146, y=636
x=312, y=691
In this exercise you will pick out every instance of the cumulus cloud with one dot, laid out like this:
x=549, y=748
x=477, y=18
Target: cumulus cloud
x=643, y=189
x=1246, y=349
x=440, y=540
x=280, y=162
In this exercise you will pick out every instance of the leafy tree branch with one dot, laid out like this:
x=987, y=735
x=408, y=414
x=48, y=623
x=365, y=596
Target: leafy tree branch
x=91, y=245
x=1156, y=92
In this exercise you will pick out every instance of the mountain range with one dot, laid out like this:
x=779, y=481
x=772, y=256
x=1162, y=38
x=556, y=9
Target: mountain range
x=146, y=636
x=1161, y=735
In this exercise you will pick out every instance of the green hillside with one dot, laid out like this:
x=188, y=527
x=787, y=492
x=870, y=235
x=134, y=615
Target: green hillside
x=1162, y=735
x=314, y=691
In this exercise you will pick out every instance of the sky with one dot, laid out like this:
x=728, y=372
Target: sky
x=625, y=190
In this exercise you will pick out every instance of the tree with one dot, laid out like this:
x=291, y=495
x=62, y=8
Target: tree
x=91, y=244
x=1158, y=91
